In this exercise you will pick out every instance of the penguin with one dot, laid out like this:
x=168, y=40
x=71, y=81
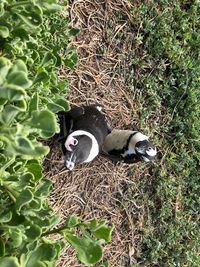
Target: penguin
x=83, y=130
x=129, y=146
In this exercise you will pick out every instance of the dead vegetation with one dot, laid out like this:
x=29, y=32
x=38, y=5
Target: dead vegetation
x=102, y=76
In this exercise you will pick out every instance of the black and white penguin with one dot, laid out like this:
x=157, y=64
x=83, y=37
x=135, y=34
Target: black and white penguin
x=83, y=130
x=128, y=146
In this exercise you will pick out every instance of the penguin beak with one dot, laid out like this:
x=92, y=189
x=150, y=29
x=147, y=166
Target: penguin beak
x=70, y=161
x=69, y=165
x=145, y=159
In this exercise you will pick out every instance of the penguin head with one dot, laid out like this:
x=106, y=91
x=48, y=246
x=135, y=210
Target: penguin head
x=145, y=150
x=80, y=147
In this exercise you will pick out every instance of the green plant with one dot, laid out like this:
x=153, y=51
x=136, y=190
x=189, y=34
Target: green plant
x=34, y=44
x=166, y=63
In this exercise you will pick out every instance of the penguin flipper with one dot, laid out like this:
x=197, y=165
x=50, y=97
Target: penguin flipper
x=109, y=125
x=75, y=112
x=132, y=127
x=114, y=158
x=66, y=120
x=131, y=159
x=65, y=124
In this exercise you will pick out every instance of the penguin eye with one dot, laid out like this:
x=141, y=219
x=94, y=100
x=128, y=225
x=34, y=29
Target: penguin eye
x=149, y=148
x=75, y=142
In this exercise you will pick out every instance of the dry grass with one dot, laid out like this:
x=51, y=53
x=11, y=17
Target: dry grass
x=96, y=189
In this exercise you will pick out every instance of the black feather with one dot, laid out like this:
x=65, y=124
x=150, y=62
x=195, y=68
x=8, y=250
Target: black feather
x=86, y=118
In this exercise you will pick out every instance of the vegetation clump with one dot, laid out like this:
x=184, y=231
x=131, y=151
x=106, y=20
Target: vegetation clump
x=166, y=65
x=34, y=45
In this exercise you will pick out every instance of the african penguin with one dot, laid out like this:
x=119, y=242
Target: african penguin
x=83, y=130
x=128, y=146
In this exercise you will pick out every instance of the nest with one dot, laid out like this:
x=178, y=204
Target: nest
x=96, y=189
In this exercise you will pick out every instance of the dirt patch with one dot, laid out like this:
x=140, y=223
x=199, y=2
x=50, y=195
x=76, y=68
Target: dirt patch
x=103, y=75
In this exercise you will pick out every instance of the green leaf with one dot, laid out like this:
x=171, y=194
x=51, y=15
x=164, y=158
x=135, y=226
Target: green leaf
x=33, y=104
x=4, y=31
x=49, y=60
x=71, y=60
x=12, y=178
x=26, y=149
x=4, y=68
x=2, y=11
x=19, y=78
x=25, y=145
x=4, y=62
x=51, y=7
x=53, y=78
x=48, y=222
x=73, y=32
x=36, y=204
x=99, y=229
x=2, y=248
x=44, y=120
x=16, y=236
x=63, y=103
x=21, y=105
x=22, y=33
x=104, y=233
x=53, y=221
x=33, y=232
x=9, y=262
x=12, y=92
x=106, y=264
x=44, y=252
x=55, y=108
x=63, y=86
x=24, y=198
x=3, y=101
x=32, y=19
x=26, y=179
x=3, y=158
x=36, y=56
x=9, y=113
x=4, y=218
x=42, y=76
x=44, y=188
x=58, y=59
x=88, y=251
x=16, y=219
x=19, y=65
x=35, y=169
x=72, y=221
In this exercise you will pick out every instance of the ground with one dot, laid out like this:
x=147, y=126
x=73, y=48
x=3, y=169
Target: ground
x=102, y=76
x=141, y=63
